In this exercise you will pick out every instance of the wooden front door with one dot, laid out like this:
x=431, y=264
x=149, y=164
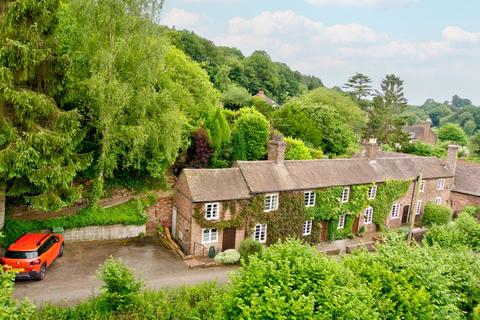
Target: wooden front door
x=229, y=238
x=405, y=214
x=323, y=235
x=355, y=225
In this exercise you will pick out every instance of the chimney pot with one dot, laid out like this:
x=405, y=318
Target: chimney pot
x=276, y=149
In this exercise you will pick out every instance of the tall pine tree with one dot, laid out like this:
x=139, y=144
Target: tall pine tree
x=38, y=140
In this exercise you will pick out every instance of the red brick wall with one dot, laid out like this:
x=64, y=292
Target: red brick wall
x=460, y=201
x=160, y=213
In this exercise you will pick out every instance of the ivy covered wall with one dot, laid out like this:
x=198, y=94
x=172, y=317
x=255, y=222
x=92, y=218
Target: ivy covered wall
x=291, y=215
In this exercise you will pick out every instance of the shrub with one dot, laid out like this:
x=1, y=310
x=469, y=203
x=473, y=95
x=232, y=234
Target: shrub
x=229, y=256
x=9, y=307
x=472, y=211
x=436, y=214
x=254, y=129
x=249, y=247
x=296, y=150
x=465, y=231
x=120, y=288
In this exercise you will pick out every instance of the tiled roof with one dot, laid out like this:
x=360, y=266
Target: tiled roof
x=216, y=184
x=467, y=178
x=267, y=176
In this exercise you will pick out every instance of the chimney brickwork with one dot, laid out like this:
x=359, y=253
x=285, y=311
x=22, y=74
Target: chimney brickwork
x=452, y=154
x=276, y=149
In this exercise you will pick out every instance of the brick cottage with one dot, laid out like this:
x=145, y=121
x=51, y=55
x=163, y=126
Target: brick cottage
x=208, y=202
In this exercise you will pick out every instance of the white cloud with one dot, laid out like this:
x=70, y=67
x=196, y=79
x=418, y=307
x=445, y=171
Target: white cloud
x=352, y=33
x=457, y=34
x=358, y=3
x=180, y=18
x=399, y=49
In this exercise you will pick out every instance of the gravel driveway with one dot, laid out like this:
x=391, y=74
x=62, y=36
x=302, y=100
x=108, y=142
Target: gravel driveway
x=73, y=277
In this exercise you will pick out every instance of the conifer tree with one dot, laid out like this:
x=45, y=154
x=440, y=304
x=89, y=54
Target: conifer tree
x=38, y=140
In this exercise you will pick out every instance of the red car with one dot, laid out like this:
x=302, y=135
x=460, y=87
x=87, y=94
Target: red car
x=31, y=254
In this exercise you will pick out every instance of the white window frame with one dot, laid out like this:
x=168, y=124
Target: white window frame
x=212, y=210
x=438, y=200
x=260, y=233
x=422, y=186
x=309, y=198
x=345, y=195
x=372, y=192
x=395, y=212
x=368, y=216
x=307, y=227
x=341, y=222
x=210, y=238
x=418, y=208
x=441, y=184
x=272, y=204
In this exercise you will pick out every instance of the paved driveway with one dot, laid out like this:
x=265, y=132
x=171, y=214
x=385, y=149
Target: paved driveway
x=73, y=277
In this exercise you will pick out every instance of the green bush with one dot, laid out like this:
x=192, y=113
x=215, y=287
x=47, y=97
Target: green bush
x=120, y=288
x=465, y=231
x=472, y=211
x=296, y=150
x=10, y=308
x=249, y=247
x=436, y=214
x=130, y=213
x=229, y=256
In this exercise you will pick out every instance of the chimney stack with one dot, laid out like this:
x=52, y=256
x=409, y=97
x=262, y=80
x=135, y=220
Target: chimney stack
x=371, y=149
x=452, y=157
x=276, y=149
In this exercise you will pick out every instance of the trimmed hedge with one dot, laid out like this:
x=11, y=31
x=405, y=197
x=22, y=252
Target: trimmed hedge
x=436, y=214
x=229, y=256
x=129, y=213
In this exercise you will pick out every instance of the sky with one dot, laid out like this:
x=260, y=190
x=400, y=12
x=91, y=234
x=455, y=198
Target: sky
x=433, y=45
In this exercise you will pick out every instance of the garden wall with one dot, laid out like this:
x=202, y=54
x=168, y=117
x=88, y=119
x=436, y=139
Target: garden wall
x=117, y=231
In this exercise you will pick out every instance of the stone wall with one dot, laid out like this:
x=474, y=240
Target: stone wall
x=117, y=231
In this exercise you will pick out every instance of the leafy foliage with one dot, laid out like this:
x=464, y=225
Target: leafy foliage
x=229, y=256
x=423, y=149
x=199, y=152
x=130, y=213
x=38, y=140
x=359, y=86
x=252, y=129
x=120, y=288
x=248, y=248
x=296, y=150
x=436, y=214
x=452, y=132
x=465, y=231
x=290, y=280
x=236, y=97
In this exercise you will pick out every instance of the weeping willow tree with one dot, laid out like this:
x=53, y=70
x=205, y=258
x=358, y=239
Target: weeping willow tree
x=137, y=92
x=38, y=140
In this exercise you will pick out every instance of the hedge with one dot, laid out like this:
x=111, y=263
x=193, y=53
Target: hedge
x=129, y=213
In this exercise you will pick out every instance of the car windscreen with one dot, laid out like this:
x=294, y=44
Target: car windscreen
x=21, y=254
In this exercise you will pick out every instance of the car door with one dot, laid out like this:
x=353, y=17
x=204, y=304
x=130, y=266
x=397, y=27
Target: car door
x=48, y=253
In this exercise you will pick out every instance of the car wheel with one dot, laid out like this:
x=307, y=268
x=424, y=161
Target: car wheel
x=60, y=253
x=43, y=270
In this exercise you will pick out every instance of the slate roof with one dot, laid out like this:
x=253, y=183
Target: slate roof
x=467, y=178
x=216, y=184
x=267, y=176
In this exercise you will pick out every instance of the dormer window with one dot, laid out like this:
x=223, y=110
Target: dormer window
x=345, y=195
x=211, y=210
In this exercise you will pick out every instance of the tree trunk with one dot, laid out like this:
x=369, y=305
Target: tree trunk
x=3, y=189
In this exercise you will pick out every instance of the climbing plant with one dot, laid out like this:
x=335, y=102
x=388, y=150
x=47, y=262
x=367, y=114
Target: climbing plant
x=289, y=218
x=387, y=193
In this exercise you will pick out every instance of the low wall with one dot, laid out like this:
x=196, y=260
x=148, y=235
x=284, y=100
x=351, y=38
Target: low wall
x=117, y=231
